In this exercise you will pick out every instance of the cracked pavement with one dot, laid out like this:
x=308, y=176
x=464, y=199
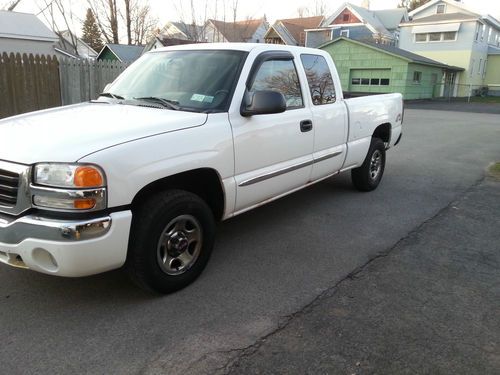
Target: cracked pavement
x=270, y=269
x=429, y=305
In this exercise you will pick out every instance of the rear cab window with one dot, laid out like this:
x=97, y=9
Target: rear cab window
x=319, y=79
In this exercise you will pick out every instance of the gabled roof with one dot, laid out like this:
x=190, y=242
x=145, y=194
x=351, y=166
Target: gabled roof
x=391, y=18
x=123, y=52
x=445, y=17
x=493, y=50
x=290, y=29
x=451, y=2
x=239, y=31
x=365, y=15
x=65, y=45
x=398, y=52
x=190, y=31
x=17, y=25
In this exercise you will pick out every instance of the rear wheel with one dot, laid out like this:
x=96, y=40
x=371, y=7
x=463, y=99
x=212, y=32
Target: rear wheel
x=368, y=176
x=171, y=241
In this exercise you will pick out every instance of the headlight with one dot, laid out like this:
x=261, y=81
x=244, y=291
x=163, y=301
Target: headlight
x=68, y=175
x=68, y=187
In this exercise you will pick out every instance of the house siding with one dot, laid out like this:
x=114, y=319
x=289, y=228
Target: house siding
x=108, y=55
x=493, y=70
x=355, y=32
x=430, y=11
x=36, y=47
x=493, y=75
x=340, y=18
x=351, y=58
x=466, y=52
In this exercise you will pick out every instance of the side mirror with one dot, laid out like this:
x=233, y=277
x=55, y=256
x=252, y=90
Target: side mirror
x=263, y=103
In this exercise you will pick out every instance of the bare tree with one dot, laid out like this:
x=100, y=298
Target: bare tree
x=143, y=25
x=234, y=9
x=12, y=5
x=58, y=9
x=128, y=18
x=317, y=8
x=194, y=22
x=106, y=15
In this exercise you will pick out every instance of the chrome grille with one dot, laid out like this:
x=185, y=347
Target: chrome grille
x=9, y=186
x=14, y=188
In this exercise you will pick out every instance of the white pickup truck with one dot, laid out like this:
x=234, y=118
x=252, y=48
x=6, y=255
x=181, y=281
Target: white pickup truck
x=185, y=137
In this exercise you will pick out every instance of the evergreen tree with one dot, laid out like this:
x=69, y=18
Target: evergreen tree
x=91, y=32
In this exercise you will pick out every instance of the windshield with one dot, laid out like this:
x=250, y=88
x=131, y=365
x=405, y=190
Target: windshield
x=203, y=81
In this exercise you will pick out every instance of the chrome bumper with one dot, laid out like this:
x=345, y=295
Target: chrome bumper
x=14, y=231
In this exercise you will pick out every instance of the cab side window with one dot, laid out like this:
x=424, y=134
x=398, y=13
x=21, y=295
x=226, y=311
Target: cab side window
x=319, y=79
x=281, y=76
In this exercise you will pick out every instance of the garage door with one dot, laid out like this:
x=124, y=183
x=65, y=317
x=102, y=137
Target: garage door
x=365, y=80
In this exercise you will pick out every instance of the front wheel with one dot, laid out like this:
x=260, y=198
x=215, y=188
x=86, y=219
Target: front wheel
x=171, y=240
x=368, y=176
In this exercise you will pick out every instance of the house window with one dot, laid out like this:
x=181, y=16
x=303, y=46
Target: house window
x=319, y=79
x=344, y=33
x=472, y=67
x=417, y=77
x=484, y=68
x=345, y=17
x=476, y=37
x=420, y=38
x=479, y=68
x=441, y=8
x=434, y=37
x=452, y=35
x=370, y=81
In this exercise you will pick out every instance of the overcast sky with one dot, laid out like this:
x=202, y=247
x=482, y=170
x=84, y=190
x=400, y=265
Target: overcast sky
x=169, y=9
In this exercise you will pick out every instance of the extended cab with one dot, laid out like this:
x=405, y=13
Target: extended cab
x=185, y=137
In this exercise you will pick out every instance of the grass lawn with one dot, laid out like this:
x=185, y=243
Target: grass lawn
x=486, y=99
x=495, y=170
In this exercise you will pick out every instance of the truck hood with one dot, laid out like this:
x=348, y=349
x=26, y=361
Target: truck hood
x=66, y=134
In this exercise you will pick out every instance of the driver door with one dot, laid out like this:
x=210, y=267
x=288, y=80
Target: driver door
x=273, y=152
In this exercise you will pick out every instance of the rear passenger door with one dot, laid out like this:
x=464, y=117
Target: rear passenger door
x=329, y=116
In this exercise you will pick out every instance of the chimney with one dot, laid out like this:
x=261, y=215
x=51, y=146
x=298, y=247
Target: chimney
x=366, y=4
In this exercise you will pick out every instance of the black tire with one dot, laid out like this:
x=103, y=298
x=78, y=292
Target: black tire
x=368, y=176
x=151, y=262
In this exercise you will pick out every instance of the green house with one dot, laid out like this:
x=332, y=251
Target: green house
x=368, y=68
x=120, y=52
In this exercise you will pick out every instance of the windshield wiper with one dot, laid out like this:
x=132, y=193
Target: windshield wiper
x=170, y=104
x=111, y=95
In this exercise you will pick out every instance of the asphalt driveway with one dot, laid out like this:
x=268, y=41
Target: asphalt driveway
x=268, y=265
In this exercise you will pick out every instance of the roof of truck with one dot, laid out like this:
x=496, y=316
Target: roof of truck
x=247, y=47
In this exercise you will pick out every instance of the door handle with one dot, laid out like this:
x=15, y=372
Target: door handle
x=306, y=126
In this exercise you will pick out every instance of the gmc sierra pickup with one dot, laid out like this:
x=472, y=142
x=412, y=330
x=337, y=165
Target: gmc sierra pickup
x=186, y=136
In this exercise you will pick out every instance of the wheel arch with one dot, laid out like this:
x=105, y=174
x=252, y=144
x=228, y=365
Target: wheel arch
x=383, y=132
x=204, y=182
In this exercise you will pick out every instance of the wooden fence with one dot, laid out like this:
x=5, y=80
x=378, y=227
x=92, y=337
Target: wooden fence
x=29, y=83
x=83, y=80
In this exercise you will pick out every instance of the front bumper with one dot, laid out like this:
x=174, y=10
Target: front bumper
x=69, y=248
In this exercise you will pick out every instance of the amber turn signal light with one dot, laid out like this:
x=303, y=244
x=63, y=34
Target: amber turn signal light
x=84, y=204
x=87, y=177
